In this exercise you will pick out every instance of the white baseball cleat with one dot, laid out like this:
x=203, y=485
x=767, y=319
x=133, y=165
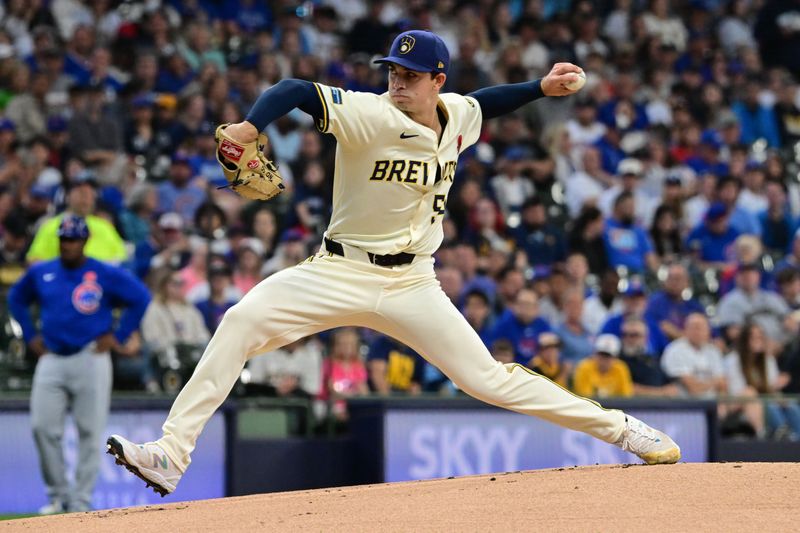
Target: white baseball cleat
x=54, y=507
x=146, y=461
x=651, y=445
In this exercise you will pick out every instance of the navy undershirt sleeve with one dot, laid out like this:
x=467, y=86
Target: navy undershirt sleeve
x=282, y=98
x=501, y=99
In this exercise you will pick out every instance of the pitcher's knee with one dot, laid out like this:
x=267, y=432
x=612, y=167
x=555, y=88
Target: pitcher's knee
x=485, y=386
x=243, y=316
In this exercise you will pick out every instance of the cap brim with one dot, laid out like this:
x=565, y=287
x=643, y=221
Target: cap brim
x=403, y=62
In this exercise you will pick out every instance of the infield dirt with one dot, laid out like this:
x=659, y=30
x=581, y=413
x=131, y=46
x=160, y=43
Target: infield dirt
x=683, y=497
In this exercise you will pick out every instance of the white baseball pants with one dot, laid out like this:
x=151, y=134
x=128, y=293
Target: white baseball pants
x=407, y=303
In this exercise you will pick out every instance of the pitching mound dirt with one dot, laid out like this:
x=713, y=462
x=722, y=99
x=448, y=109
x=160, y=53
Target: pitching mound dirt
x=684, y=497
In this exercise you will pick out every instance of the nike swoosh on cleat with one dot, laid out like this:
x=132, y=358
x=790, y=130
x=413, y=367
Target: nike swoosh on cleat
x=404, y=136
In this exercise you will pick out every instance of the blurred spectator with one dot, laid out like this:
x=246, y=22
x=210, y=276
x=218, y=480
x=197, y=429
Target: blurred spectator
x=96, y=137
x=603, y=374
x=219, y=299
x=587, y=236
x=585, y=186
x=788, y=284
x=312, y=199
x=137, y=218
x=648, y=377
x=659, y=23
x=265, y=229
x=576, y=270
x=627, y=243
x=547, y=361
x=143, y=136
x=752, y=369
x=369, y=34
x=343, y=373
x=291, y=251
x=634, y=304
x=711, y=242
x=729, y=191
x=473, y=272
x=503, y=351
x=394, y=367
x=792, y=258
x=669, y=307
x=666, y=234
x=249, y=263
x=734, y=30
x=509, y=282
x=694, y=361
x=76, y=297
x=511, y=188
x=521, y=324
x=788, y=111
x=607, y=301
x=13, y=245
x=757, y=120
x=697, y=206
x=748, y=301
x=170, y=319
x=478, y=313
x=27, y=110
x=294, y=370
x=168, y=246
x=11, y=163
x=631, y=172
x=543, y=243
x=585, y=130
x=752, y=197
x=179, y=194
x=104, y=242
x=486, y=229
x=574, y=337
x=776, y=220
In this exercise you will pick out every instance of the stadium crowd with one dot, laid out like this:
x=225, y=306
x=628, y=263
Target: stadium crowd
x=640, y=237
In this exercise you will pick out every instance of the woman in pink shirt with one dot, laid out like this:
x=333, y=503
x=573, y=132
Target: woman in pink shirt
x=344, y=371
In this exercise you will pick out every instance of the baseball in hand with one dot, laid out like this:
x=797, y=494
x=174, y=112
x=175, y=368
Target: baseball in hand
x=577, y=84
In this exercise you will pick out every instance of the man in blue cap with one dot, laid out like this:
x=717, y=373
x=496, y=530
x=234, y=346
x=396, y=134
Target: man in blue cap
x=76, y=296
x=396, y=158
x=712, y=240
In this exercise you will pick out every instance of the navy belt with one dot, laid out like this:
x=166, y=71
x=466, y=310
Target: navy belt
x=68, y=350
x=388, y=260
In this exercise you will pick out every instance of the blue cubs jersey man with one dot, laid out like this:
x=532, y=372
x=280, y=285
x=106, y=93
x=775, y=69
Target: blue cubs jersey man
x=396, y=158
x=76, y=296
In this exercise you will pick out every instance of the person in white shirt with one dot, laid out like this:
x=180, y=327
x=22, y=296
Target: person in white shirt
x=511, y=188
x=294, y=370
x=585, y=129
x=631, y=172
x=752, y=197
x=694, y=361
x=586, y=186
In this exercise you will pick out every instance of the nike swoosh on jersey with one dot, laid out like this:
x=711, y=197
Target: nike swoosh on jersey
x=404, y=136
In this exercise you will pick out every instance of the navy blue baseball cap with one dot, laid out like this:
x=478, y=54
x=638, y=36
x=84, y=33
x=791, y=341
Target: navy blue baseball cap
x=73, y=227
x=419, y=50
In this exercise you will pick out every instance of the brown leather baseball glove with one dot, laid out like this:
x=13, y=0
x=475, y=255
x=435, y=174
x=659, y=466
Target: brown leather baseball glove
x=248, y=171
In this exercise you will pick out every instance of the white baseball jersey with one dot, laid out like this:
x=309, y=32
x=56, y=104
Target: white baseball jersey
x=392, y=174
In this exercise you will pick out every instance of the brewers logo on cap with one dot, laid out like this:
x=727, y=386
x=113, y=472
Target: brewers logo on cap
x=406, y=44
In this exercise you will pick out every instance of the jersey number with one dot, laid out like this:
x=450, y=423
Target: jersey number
x=439, y=203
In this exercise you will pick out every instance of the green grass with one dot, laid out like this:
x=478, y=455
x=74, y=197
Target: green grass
x=15, y=516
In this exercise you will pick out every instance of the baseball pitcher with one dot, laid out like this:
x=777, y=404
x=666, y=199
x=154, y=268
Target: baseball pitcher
x=395, y=161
